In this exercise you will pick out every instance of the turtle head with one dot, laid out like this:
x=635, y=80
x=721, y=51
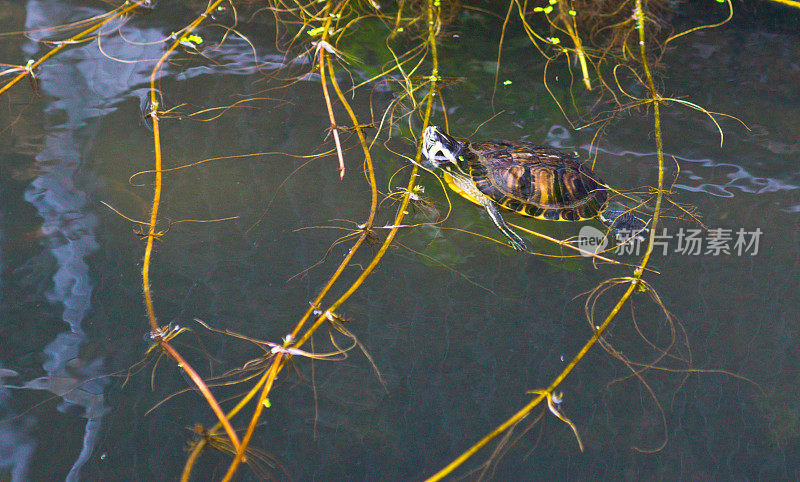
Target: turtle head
x=440, y=149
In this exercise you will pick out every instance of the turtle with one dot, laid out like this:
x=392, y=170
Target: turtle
x=532, y=180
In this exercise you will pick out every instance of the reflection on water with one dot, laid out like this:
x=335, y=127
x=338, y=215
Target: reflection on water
x=715, y=177
x=77, y=100
x=458, y=348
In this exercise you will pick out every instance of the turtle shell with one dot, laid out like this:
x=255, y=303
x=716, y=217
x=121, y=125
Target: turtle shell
x=535, y=181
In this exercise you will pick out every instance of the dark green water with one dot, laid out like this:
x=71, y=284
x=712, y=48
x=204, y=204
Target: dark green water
x=458, y=348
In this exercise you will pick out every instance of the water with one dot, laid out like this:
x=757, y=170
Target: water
x=458, y=346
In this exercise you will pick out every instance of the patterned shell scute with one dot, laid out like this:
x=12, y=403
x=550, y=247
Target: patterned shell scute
x=535, y=181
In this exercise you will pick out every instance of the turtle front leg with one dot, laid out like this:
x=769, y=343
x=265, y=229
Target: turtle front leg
x=468, y=186
x=494, y=213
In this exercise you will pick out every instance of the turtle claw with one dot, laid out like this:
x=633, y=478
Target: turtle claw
x=494, y=212
x=519, y=246
x=514, y=240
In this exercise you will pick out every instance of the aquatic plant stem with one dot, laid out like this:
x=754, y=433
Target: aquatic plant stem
x=201, y=385
x=277, y=364
x=791, y=3
x=280, y=361
x=567, y=17
x=542, y=395
x=500, y=50
x=655, y=100
x=429, y=99
x=152, y=234
x=334, y=128
x=118, y=12
x=322, y=47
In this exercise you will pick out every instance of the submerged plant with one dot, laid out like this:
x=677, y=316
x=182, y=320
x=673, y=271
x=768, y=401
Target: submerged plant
x=614, y=46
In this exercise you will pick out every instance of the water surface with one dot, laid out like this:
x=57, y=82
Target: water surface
x=458, y=346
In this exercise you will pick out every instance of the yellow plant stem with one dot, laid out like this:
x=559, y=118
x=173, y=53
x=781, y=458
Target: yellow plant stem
x=200, y=385
x=542, y=395
x=790, y=3
x=152, y=234
x=432, y=30
x=276, y=367
x=277, y=363
x=123, y=9
x=334, y=127
x=279, y=360
x=200, y=445
x=569, y=25
x=398, y=17
x=655, y=100
x=322, y=47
